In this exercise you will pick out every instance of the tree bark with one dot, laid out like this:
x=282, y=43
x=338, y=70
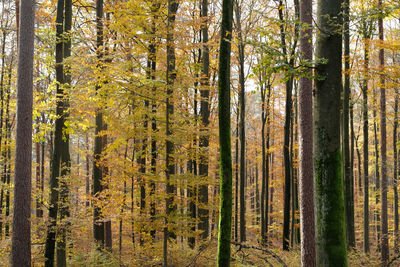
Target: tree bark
x=347, y=171
x=224, y=119
x=384, y=181
x=330, y=213
x=203, y=211
x=98, y=224
x=170, y=162
x=306, y=182
x=365, y=144
x=395, y=174
x=21, y=242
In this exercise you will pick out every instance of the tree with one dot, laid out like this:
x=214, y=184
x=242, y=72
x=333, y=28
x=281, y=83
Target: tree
x=306, y=182
x=330, y=217
x=21, y=242
x=173, y=6
x=205, y=114
x=384, y=181
x=242, y=127
x=224, y=119
x=60, y=159
x=347, y=173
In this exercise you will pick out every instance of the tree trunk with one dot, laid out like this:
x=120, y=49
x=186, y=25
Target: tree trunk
x=347, y=171
x=224, y=118
x=236, y=236
x=98, y=224
x=21, y=242
x=204, y=135
x=306, y=182
x=60, y=153
x=384, y=182
x=170, y=162
x=65, y=155
x=330, y=213
x=365, y=145
x=395, y=175
x=242, y=126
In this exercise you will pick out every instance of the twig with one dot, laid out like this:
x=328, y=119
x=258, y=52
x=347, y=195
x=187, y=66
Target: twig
x=262, y=249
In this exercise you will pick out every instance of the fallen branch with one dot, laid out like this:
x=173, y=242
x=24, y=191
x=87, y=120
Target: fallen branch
x=241, y=245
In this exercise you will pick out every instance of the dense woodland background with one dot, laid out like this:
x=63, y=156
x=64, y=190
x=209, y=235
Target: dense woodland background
x=125, y=161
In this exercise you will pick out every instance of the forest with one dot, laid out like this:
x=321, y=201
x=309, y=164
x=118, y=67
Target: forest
x=199, y=133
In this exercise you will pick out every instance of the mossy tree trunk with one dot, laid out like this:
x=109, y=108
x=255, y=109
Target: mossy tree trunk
x=330, y=215
x=224, y=118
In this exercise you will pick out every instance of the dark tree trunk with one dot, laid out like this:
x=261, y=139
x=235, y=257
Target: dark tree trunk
x=21, y=242
x=98, y=224
x=170, y=161
x=60, y=162
x=65, y=155
x=242, y=127
x=204, y=135
x=384, y=181
x=330, y=213
x=395, y=174
x=236, y=236
x=224, y=118
x=365, y=144
x=347, y=171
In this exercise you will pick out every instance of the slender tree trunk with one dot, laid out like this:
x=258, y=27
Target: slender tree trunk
x=330, y=213
x=237, y=174
x=170, y=162
x=98, y=225
x=395, y=174
x=204, y=135
x=384, y=182
x=306, y=183
x=21, y=242
x=153, y=60
x=377, y=175
x=224, y=112
x=365, y=145
x=87, y=189
x=347, y=171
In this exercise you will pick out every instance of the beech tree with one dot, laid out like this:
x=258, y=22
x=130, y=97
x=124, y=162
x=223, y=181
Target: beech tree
x=224, y=114
x=21, y=241
x=330, y=217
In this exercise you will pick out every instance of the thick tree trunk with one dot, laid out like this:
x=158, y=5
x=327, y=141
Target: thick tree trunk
x=21, y=242
x=224, y=112
x=384, y=181
x=306, y=182
x=330, y=213
x=65, y=155
x=60, y=155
